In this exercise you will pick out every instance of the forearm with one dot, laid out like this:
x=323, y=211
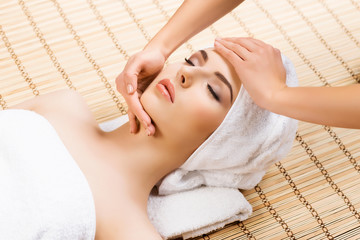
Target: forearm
x=333, y=106
x=192, y=17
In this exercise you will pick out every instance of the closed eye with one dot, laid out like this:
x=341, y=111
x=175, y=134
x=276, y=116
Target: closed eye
x=189, y=62
x=211, y=90
x=213, y=93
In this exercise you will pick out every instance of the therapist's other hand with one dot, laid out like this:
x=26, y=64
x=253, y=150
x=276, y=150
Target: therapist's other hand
x=138, y=73
x=258, y=65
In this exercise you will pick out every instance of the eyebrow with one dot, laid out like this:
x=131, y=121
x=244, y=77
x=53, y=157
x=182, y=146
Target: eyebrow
x=224, y=80
x=204, y=55
x=219, y=75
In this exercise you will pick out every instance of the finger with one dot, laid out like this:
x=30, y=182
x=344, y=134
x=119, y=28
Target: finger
x=141, y=115
x=132, y=122
x=123, y=86
x=277, y=52
x=127, y=80
x=247, y=43
x=268, y=47
x=259, y=42
x=229, y=55
x=238, y=51
x=151, y=130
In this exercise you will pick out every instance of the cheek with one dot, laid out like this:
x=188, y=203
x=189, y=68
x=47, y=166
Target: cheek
x=205, y=117
x=200, y=116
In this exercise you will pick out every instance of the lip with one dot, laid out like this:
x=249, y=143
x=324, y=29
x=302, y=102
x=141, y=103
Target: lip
x=166, y=89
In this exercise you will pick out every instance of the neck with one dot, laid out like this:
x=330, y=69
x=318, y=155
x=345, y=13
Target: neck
x=145, y=159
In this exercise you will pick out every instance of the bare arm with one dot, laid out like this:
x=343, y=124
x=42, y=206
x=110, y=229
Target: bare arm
x=63, y=102
x=192, y=17
x=333, y=106
x=48, y=100
x=262, y=73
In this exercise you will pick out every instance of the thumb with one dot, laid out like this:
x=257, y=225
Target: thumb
x=130, y=76
x=130, y=82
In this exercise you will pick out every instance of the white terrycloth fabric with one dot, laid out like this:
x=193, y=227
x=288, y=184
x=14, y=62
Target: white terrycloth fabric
x=198, y=211
x=240, y=150
x=43, y=193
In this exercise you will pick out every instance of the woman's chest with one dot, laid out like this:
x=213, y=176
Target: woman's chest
x=100, y=164
x=95, y=159
x=114, y=193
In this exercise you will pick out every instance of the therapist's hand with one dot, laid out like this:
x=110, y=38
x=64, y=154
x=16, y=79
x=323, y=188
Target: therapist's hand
x=138, y=73
x=258, y=66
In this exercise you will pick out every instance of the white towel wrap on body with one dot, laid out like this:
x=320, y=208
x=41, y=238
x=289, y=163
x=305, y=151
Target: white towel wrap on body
x=43, y=192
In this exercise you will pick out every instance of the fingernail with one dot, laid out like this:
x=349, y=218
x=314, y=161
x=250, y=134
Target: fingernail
x=217, y=39
x=148, y=132
x=129, y=88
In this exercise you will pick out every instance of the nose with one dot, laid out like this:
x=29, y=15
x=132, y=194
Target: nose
x=185, y=81
x=185, y=77
x=188, y=75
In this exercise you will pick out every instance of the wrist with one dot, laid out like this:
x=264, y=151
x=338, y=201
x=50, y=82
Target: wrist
x=276, y=103
x=159, y=45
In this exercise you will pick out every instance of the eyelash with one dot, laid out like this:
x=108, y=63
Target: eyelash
x=189, y=62
x=211, y=90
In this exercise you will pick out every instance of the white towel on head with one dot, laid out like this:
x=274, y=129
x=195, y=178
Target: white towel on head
x=240, y=150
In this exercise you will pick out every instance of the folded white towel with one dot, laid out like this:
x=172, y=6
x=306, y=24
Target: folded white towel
x=43, y=193
x=198, y=211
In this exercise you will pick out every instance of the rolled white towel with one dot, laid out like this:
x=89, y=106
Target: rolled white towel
x=198, y=211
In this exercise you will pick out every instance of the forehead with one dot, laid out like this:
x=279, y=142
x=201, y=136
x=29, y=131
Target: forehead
x=218, y=63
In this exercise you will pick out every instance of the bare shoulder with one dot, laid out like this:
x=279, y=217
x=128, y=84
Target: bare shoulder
x=60, y=98
x=64, y=102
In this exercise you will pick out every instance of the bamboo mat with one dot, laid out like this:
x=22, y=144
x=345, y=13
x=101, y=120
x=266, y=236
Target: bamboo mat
x=312, y=194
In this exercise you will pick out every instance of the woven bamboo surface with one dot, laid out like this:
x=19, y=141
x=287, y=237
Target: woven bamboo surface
x=312, y=194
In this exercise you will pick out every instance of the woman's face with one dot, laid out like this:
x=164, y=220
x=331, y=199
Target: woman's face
x=187, y=101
